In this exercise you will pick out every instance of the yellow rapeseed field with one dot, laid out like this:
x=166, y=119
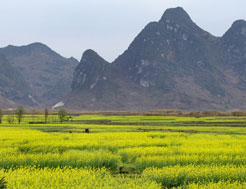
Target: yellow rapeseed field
x=34, y=158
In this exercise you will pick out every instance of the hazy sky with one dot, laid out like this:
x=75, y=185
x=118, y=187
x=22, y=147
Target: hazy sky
x=108, y=26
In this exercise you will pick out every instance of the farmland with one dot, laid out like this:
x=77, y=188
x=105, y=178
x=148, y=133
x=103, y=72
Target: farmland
x=124, y=151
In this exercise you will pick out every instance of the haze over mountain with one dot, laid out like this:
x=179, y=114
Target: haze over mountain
x=47, y=75
x=172, y=63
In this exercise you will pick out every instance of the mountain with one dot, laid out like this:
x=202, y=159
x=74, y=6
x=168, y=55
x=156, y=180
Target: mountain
x=13, y=87
x=234, y=47
x=92, y=70
x=172, y=63
x=5, y=103
x=48, y=75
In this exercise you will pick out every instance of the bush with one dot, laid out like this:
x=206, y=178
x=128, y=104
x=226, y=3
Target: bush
x=62, y=115
x=10, y=119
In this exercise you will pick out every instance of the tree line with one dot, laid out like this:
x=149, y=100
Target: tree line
x=19, y=113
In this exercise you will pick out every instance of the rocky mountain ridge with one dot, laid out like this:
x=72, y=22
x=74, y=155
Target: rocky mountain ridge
x=47, y=74
x=13, y=87
x=172, y=63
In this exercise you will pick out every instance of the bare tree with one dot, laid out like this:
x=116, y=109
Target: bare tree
x=46, y=115
x=62, y=115
x=1, y=116
x=10, y=119
x=19, y=112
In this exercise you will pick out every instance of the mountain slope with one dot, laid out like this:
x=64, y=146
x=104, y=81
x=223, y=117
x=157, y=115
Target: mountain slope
x=233, y=44
x=164, y=53
x=48, y=74
x=172, y=63
x=13, y=87
x=5, y=103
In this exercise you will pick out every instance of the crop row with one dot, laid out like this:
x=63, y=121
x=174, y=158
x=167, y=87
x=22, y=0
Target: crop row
x=71, y=178
x=175, y=176
x=190, y=177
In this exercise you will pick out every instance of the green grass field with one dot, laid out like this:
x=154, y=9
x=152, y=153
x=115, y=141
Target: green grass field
x=124, y=152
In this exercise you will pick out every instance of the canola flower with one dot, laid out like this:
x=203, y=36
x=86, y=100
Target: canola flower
x=34, y=159
x=175, y=176
x=31, y=177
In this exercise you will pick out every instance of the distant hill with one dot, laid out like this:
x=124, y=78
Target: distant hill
x=172, y=63
x=13, y=87
x=47, y=74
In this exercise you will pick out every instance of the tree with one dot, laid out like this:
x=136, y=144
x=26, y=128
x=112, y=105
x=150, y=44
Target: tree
x=46, y=115
x=10, y=119
x=1, y=116
x=19, y=112
x=62, y=115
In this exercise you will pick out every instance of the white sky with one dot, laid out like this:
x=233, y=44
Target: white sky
x=107, y=26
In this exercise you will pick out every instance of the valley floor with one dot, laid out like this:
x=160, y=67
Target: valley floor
x=124, y=152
